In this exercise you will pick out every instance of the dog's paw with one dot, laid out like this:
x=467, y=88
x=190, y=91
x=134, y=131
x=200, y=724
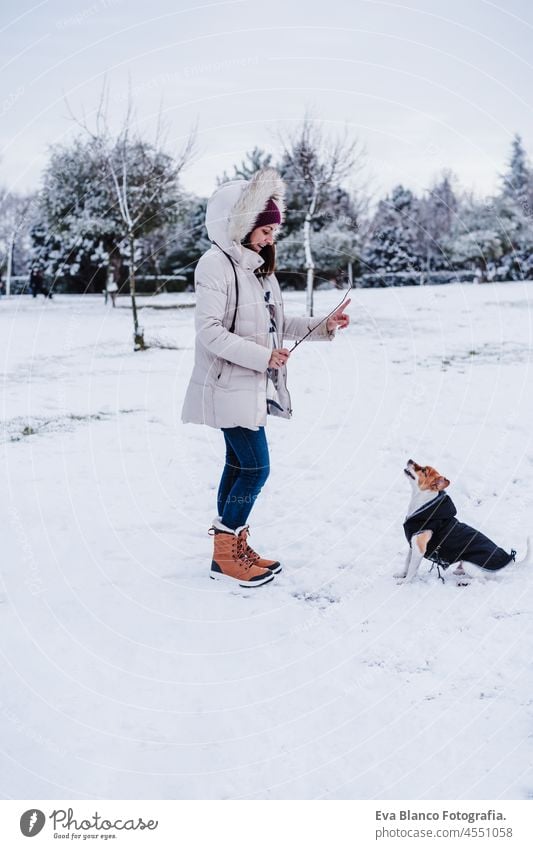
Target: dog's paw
x=400, y=575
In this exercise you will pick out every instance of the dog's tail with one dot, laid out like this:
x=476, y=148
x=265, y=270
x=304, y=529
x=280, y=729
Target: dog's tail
x=527, y=557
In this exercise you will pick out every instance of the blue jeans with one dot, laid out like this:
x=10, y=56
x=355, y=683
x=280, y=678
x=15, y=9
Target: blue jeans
x=247, y=468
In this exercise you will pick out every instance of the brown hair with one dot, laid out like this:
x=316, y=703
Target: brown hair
x=268, y=254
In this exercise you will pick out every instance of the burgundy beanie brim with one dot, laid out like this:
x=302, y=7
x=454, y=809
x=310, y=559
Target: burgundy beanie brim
x=270, y=215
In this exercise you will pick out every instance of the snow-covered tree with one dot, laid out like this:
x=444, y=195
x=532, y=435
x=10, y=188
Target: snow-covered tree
x=337, y=205
x=313, y=166
x=394, y=241
x=438, y=209
x=517, y=199
x=253, y=161
x=517, y=180
x=290, y=257
x=78, y=213
x=188, y=240
x=102, y=194
x=483, y=233
x=334, y=248
x=145, y=183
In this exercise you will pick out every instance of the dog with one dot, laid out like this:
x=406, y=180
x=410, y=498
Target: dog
x=433, y=532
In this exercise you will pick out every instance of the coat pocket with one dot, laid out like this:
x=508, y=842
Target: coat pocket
x=225, y=369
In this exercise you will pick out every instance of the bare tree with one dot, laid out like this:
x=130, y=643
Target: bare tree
x=314, y=164
x=143, y=181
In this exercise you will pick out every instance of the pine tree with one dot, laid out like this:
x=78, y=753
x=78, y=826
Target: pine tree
x=517, y=198
x=484, y=233
x=438, y=210
x=393, y=245
x=254, y=160
x=189, y=239
x=518, y=179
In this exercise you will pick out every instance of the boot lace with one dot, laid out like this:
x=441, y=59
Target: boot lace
x=239, y=549
x=244, y=551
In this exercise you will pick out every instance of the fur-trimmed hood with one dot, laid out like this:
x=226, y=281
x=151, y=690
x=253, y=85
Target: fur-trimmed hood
x=234, y=207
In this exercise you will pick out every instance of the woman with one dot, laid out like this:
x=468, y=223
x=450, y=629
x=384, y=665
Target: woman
x=239, y=373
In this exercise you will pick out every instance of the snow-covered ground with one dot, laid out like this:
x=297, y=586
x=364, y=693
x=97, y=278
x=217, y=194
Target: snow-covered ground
x=127, y=673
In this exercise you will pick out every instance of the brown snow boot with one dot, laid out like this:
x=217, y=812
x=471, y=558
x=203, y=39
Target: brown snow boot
x=229, y=561
x=252, y=555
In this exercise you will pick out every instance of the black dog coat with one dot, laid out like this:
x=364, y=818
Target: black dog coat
x=452, y=540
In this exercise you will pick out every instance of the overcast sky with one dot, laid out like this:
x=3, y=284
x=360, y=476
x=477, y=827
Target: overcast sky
x=424, y=84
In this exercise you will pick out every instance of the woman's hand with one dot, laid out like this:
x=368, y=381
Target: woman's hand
x=339, y=318
x=279, y=357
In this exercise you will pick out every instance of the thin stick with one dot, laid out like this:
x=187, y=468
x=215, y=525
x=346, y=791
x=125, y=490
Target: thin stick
x=320, y=322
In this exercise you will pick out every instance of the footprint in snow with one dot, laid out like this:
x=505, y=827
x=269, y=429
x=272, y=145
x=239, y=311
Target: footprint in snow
x=320, y=600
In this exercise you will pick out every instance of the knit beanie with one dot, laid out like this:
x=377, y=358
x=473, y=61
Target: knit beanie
x=270, y=215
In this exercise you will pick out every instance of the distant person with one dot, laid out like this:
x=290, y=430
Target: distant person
x=36, y=282
x=111, y=288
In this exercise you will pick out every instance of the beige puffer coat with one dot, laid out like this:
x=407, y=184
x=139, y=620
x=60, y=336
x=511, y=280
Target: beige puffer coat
x=228, y=385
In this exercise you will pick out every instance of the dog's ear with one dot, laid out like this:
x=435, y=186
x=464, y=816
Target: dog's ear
x=440, y=483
